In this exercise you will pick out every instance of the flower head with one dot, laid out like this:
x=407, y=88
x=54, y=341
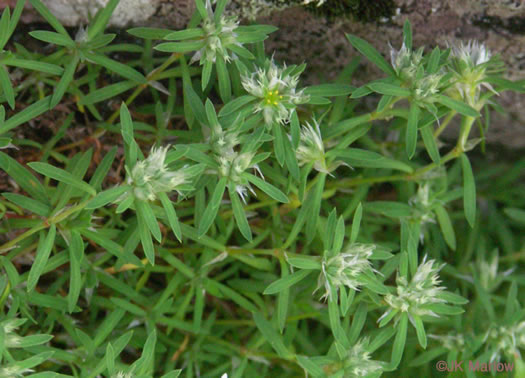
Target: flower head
x=505, y=340
x=345, y=268
x=358, y=362
x=152, y=176
x=414, y=297
x=406, y=62
x=218, y=35
x=276, y=89
x=233, y=166
x=451, y=341
x=311, y=147
x=13, y=371
x=471, y=62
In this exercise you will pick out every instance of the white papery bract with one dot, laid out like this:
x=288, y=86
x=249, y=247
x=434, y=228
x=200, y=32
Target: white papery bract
x=345, y=268
x=358, y=362
x=218, y=35
x=414, y=296
x=406, y=62
x=277, y=90
x=505, y=340
x=151, y=176
x=311, y=147
x=451, y=341
x=470, y=62
x=233, y=165
x=13, y=371
x=472, y=53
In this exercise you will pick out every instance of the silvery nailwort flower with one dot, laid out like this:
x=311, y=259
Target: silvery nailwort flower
x=233, y=166
x=277, y=90
x=358, y=362
x=13, y=371
x=426, y=87
x=422, y=203
x=311, y=147
x=345, y=268
x=471, y=62
x=218, y=35
x=451, y=341
x=472, y=53
x=413, y=297
x=406, y=62
x=152, y=176
x=505, y=340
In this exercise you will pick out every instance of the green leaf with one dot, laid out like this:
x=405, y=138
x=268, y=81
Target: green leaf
x=286, y=281
x=180, y=47
x=329, y=90
x=116, y=67
x=420, y=331
x=107, y=92
x=107, y=196
x=458, y=106
x=145, y=212
x=181, y=35
x=305, y=262
x=239, y=214
x=399, y=342
x=48, y=16
x=62, y=176
x=149, y=33
x=371, y=53
x=235, y=104
x=389, y=89
x=7, y=88
x=411, y=133
x=32, y=111
x=213, y=207
x=356, y=157
x=64, y=82
x=76, y=253
x=446, y=226
x=101, y=19
x=278, y=143
x=469, y=191
x=407, y=34
x=389, y=208
x=267, y=188
x=43, y=251
x=52, y=37
x=223, y=77
x=430, y=143
x=171, y=214
x=271, y=336
x=28, y=203
x=356, y=222
x=35, y=66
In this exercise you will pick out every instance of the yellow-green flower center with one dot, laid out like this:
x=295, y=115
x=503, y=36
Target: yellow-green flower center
x=272, y=97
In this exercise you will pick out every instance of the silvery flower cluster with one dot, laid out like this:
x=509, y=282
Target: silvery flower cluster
x=276, y=89
x=311, y=147
x=359, y=363
x=471, y=63
x=345, y=269
x=414, y=297
x=151, y=176
x=218, y=35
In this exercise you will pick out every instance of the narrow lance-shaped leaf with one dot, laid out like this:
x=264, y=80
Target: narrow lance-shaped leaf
x=43, y=251
x=76, y=252
x=171, y=214
x=213, y=207
x=239, y=214
x=411, y=133
x=62, y=176
x=371, y=53
x=286, y=282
